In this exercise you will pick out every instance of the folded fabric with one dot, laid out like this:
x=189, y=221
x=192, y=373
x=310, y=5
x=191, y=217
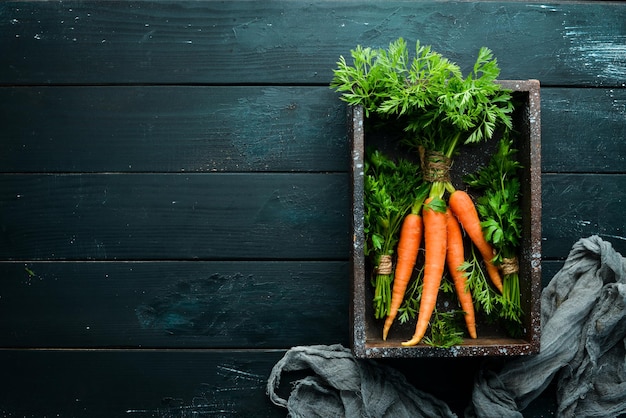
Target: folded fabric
x=583, y=337
x=342, y=386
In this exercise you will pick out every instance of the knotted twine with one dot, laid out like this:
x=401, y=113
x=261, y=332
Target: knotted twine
x=583, y=346
x=435, y=165
x=509, y=266
x=385, y=265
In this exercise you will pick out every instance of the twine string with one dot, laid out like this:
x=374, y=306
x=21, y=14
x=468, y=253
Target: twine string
x=385, y=266
x=435, y=166
x=510, y=266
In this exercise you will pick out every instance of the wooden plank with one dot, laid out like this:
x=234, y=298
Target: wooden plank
x=576, y=206
x=146, y=383
x=174, y=216
x=173, y=304
x=172, y=129
x=241, y=216
x=177, y=304
x=574, y=43
x=200, y=129
x=583, y=130
x=136, y=384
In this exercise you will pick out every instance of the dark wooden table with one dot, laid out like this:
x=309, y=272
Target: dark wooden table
x=174, y=186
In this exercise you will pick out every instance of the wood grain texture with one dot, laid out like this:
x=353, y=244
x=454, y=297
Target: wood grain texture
x=252, y=129
x=181, y=384
x=583, y=130
x=173, y=304
x=177, y=304
x=174, y=216
x=578, y=43
x=136, y=384
x=577, y=206
x=172, y=129
x=241, y=216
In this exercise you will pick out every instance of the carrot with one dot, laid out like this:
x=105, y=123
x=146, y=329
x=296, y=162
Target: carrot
x=408, y=247
x=435, y=242
x=463, y=208
x=455, y=258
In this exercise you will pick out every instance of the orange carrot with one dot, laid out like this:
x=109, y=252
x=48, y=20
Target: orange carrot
x=435, y=238
x=408, y=247
x=462, y=206
x=455, y=259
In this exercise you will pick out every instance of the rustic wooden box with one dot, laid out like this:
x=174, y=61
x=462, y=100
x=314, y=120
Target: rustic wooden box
x=366, y=338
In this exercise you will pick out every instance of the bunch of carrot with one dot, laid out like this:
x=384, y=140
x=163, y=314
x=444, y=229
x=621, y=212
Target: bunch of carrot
x=441, y=109
x=390, y=189
x=439, y=223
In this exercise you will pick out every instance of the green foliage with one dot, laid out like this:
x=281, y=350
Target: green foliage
x=501, y=213
x=445, y=330
x=437, y=205
x=499, y=203
x=412, y=297
x=486, y=298
x=428, y=92
x=391, y=189
x=504, y=307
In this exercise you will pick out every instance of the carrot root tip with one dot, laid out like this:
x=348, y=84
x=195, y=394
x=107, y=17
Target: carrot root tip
x=413, y=341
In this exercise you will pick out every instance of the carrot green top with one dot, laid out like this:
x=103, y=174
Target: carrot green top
x=439, y=107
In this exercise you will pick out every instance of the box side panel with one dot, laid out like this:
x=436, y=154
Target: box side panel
x=357, y=311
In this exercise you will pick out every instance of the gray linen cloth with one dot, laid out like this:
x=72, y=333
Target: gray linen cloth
x=583, y=347
x=347, y=387
x=583, y=338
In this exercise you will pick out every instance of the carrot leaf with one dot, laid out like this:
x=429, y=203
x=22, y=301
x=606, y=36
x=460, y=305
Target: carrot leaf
x=391, y=188
x=445, y=331
x=499, y=207
x=440, y=108
x=412, y=298
x=437, y=204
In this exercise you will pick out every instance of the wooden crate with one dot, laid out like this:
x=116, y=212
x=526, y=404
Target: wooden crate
x=366, y=338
